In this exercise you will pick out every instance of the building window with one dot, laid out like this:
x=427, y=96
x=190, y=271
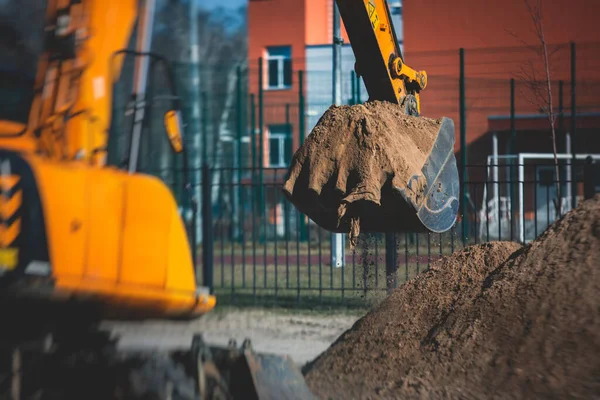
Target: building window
x=279, y=67
x=280, y=145
x=396, y=8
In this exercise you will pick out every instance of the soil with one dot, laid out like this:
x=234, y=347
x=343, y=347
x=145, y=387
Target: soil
x=362, y=160
x=152, y=356
x=492, y=321
x=302, y=337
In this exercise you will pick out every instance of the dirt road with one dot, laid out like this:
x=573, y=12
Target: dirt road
x=300, y=336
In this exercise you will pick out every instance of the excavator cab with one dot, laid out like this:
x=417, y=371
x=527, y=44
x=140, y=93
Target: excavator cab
x=97, y=207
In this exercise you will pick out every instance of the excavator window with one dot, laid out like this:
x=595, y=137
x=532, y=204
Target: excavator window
x=156, y=154
x=21, y=43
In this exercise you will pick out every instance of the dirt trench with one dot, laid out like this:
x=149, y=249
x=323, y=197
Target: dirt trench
x=492, y=321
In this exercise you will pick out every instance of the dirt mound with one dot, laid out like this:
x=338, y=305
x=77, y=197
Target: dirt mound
x=383, y=345
x=361, y=160
x=476, y=327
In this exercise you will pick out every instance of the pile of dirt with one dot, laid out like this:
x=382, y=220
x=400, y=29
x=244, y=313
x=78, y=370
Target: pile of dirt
x=361, y=160
x=482, y=323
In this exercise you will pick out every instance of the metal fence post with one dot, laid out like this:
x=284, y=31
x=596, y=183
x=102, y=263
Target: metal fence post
x=253, y=149
x=513, y=151
x=573, y=127
x=589, y=189
x=204, y=139
x=290, y=151
x=463, y=145
x=261, y=157
x=561, y=109
x=338, y=246
x=207, y=231
x=203, y=100
x=302, y=223
x=357, y=89
x=301, y=125
x=353, y=88
x=240, y=128
x=391, y=260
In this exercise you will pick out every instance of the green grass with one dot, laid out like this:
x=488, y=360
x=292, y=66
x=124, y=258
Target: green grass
x=306, y=287
x=302, y=247
x=320, y=287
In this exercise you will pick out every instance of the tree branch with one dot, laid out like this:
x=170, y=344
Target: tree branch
x=541, y=89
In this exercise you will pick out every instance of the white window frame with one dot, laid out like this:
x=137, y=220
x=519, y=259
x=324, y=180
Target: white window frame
x=280, y=68
x=281, y=144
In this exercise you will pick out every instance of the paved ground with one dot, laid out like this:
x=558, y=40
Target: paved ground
x=300, y=336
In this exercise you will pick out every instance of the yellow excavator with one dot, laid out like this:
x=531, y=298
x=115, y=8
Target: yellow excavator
x=85, y=235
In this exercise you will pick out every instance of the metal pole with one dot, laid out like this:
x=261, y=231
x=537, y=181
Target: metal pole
x=144, y=43
x=207, y=242
x=301, y=222
x=513, y=151
x=463, y=145
x=561, y=108
x=204, y=158
x=358, y=89
x=301, y=121
x=238, y=142
x=261, y=144
x=195, y=98
x=573, y=126
x=495, y=168
x=569, y=166
x=589, y=189
x=337, y=239
x=353, y=87
x=561, y=130
x=513, y=131
x=336, y=57
x=289, y=150
x=195, y=86
x=253, y=136
x=521, y=196
x=204, y=104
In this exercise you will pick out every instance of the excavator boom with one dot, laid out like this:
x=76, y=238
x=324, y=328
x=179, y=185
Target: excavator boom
x=372, y=167
x=379, y=59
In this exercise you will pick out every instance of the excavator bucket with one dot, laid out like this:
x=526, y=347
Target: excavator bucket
x=372, y=168
x=241, y=373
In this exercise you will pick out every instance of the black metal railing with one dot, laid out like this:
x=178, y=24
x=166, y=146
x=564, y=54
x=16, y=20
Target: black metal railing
x=256, y=248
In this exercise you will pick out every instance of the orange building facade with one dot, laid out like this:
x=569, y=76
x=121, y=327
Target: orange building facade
x=499, y=44
x=278, y=33
x=493, y=34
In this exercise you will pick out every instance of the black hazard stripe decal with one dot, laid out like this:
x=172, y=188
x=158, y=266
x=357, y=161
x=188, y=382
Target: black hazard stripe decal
x=11, y=199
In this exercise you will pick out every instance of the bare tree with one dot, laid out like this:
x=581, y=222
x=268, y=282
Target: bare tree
x=222, y=47
x=540, y=88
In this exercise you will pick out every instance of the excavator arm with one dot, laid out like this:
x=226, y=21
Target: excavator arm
x=378, y=166
x=379, y=59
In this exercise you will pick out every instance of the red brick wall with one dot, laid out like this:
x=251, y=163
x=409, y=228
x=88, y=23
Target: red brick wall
x=276, y=23
x=486, y=29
